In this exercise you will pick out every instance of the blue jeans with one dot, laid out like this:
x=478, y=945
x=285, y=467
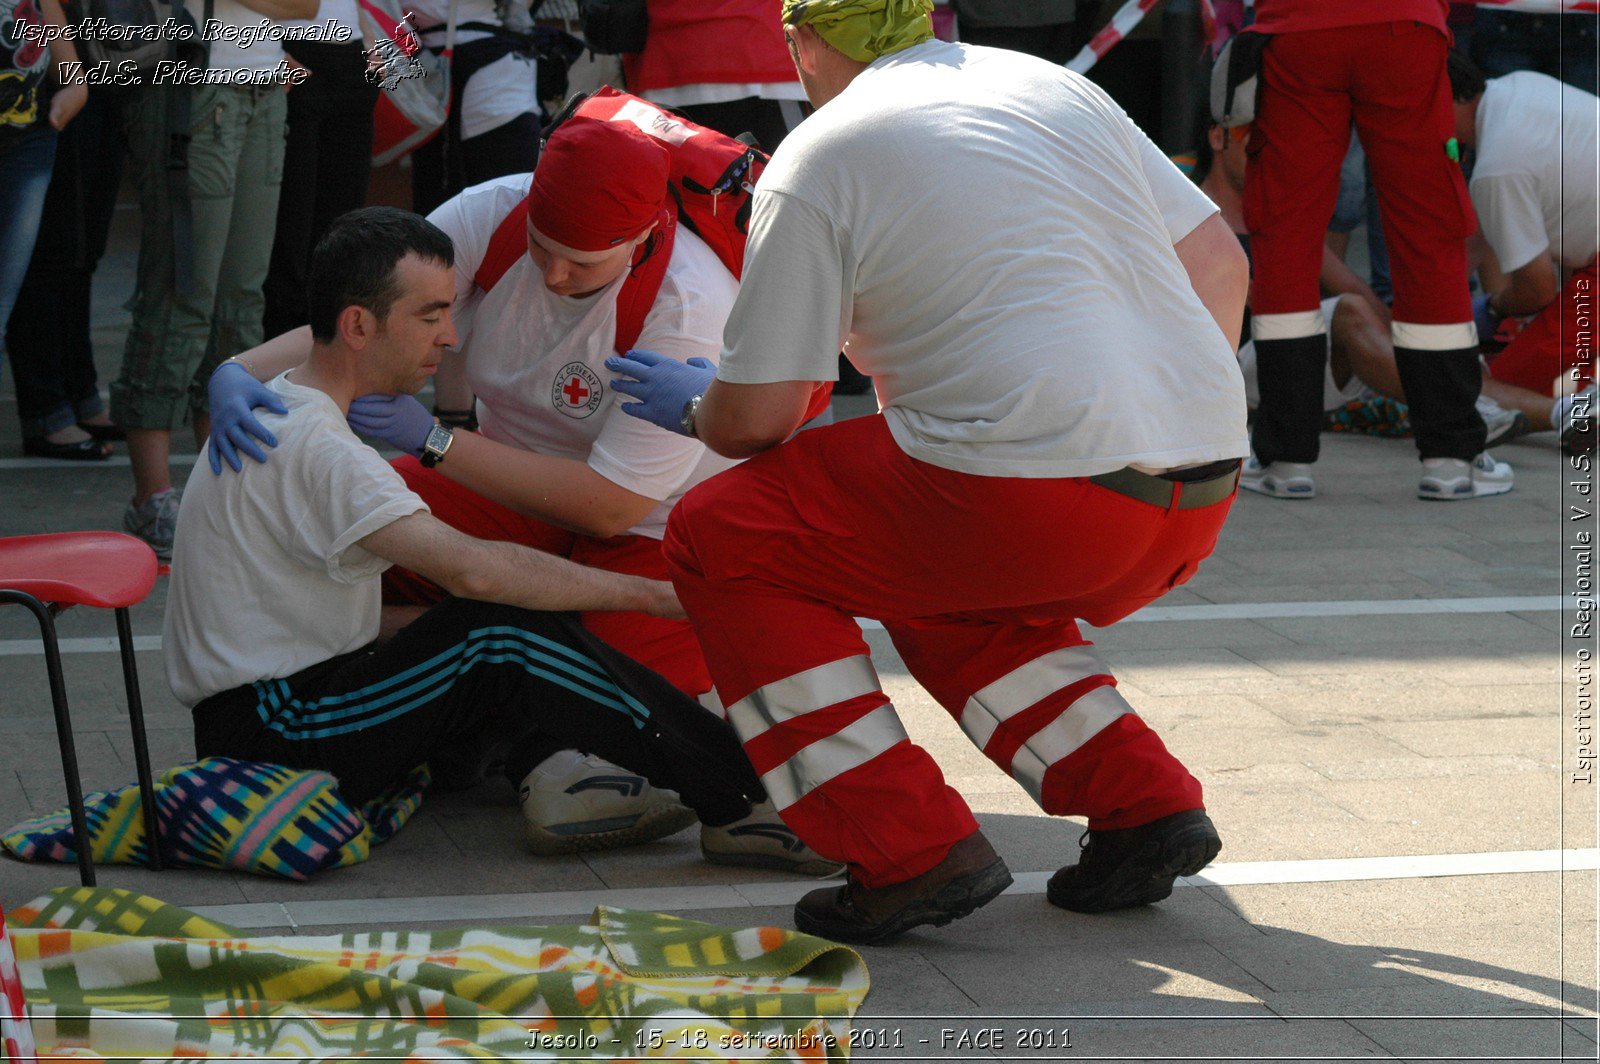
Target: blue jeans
x=25, y=165
x=1358, y=202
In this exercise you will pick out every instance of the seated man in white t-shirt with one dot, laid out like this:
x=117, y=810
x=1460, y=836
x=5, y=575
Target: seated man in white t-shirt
x=554, y=466
x=275, y=603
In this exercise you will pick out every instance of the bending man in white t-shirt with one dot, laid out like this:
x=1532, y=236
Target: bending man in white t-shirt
x=555, y=466
x=275, y=603
x=1049, y=310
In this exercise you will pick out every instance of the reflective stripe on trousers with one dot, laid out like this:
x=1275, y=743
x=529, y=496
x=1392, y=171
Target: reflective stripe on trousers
x=995, y=718
x=824, y=758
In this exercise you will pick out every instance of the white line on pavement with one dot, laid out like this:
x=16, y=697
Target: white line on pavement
x=403, y=911
x=1235, y=611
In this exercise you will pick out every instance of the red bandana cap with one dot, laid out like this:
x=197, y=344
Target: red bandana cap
x=598, y=184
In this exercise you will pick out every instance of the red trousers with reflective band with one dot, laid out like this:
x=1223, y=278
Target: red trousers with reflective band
x=1390, y=79
x=980, y=582
x=1559, y=338
x=668, y=647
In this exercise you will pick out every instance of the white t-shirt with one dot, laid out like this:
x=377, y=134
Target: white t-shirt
x=228, y=50
x=995, y=238
x=267, y=576
x=536, y=360
x=1534, y=181
x=494, y=94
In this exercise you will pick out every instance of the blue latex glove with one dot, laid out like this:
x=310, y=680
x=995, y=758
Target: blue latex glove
x=661, y=384
x=1487, y=321
x=398, y=420
x=233, y=393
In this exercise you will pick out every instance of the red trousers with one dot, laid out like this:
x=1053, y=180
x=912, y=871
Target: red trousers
x=980, y=582
x=1390, y=79
x=1559, y=338
x=668, y=647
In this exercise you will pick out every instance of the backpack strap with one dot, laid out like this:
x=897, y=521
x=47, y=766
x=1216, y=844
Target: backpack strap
x=508, y=244
x=639, y=291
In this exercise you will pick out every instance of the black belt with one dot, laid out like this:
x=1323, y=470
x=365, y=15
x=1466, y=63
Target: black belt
x=1189, y=489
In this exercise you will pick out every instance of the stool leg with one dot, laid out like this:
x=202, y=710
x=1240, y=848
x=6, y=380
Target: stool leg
x=69, y=755
x=141, y=749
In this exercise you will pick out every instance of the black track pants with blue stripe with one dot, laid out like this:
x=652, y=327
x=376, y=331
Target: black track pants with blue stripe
x=515, y=683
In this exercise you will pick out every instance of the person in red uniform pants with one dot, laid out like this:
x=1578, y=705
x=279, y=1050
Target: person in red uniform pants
x=1051, y=334
x=1380, y=63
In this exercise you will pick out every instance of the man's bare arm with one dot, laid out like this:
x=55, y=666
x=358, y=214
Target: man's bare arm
x=511, y=574
x=1528, y=289
x=1219, y=273
x=283, y=352
x=563, y=491
x=739, y=420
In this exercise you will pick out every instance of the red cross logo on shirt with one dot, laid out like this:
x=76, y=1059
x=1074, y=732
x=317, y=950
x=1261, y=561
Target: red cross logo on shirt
x=576, y=390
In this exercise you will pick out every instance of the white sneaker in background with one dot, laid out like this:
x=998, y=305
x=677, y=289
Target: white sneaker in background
x=1281, y=480
x=574, y=802
x=1450, y=479
x=763, y=840
x=1503, y=424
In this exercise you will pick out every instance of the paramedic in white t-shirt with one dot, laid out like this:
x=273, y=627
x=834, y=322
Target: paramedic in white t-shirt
x=1049, y=310
x=1533, y=186
x=275, y=606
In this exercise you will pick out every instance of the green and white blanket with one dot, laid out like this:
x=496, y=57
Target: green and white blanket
x=109, y=973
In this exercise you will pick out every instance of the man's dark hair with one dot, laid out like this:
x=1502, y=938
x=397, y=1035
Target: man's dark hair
x=1466, y=80
x=354, y=263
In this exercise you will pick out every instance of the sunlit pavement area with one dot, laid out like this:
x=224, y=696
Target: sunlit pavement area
x=1378, y=694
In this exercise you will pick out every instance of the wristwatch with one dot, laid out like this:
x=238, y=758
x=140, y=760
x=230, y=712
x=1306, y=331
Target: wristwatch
x=689, y=408
x=436, y=446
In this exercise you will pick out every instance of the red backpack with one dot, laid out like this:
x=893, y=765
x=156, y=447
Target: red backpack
x=712, y=179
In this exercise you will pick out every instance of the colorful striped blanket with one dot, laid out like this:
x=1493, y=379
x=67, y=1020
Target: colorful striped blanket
x=112, y=973
x=222, y=813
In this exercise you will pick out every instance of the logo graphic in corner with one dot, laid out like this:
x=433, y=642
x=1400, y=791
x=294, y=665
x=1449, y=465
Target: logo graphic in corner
x=576, y=391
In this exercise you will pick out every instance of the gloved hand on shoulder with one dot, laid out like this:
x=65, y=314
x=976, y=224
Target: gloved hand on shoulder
x=662, y=385
x=233, y=393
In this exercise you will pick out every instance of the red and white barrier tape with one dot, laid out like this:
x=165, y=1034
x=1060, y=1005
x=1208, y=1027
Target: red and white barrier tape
x=1545, y=7
x=16, y=1037
x=1122, y=24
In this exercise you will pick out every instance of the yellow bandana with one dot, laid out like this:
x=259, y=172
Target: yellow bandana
x=864, y=30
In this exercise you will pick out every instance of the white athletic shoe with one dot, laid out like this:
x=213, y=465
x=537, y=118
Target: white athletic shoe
x=1449, y=479
x=1281, y=480
x=574, y=802
x=1504, y=425
x=763, y=840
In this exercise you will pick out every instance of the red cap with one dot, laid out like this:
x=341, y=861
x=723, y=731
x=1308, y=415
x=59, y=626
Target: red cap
x=598, y=184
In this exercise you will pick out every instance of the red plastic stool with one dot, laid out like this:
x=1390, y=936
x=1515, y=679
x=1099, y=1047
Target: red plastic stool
x=107, y=570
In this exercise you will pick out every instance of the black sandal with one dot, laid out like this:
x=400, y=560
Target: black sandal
x=90, y=450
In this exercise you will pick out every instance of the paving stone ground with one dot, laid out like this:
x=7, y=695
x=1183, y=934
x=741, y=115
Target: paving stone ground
x=1329, y=736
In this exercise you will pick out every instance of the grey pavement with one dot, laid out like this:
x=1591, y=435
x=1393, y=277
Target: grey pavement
x=1390, y=681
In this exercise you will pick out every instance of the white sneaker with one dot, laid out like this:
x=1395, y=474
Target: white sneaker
x=763, y=840
x=574, y=802
x=1448, y=479
x=1281, y=480
x=1503, y=424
